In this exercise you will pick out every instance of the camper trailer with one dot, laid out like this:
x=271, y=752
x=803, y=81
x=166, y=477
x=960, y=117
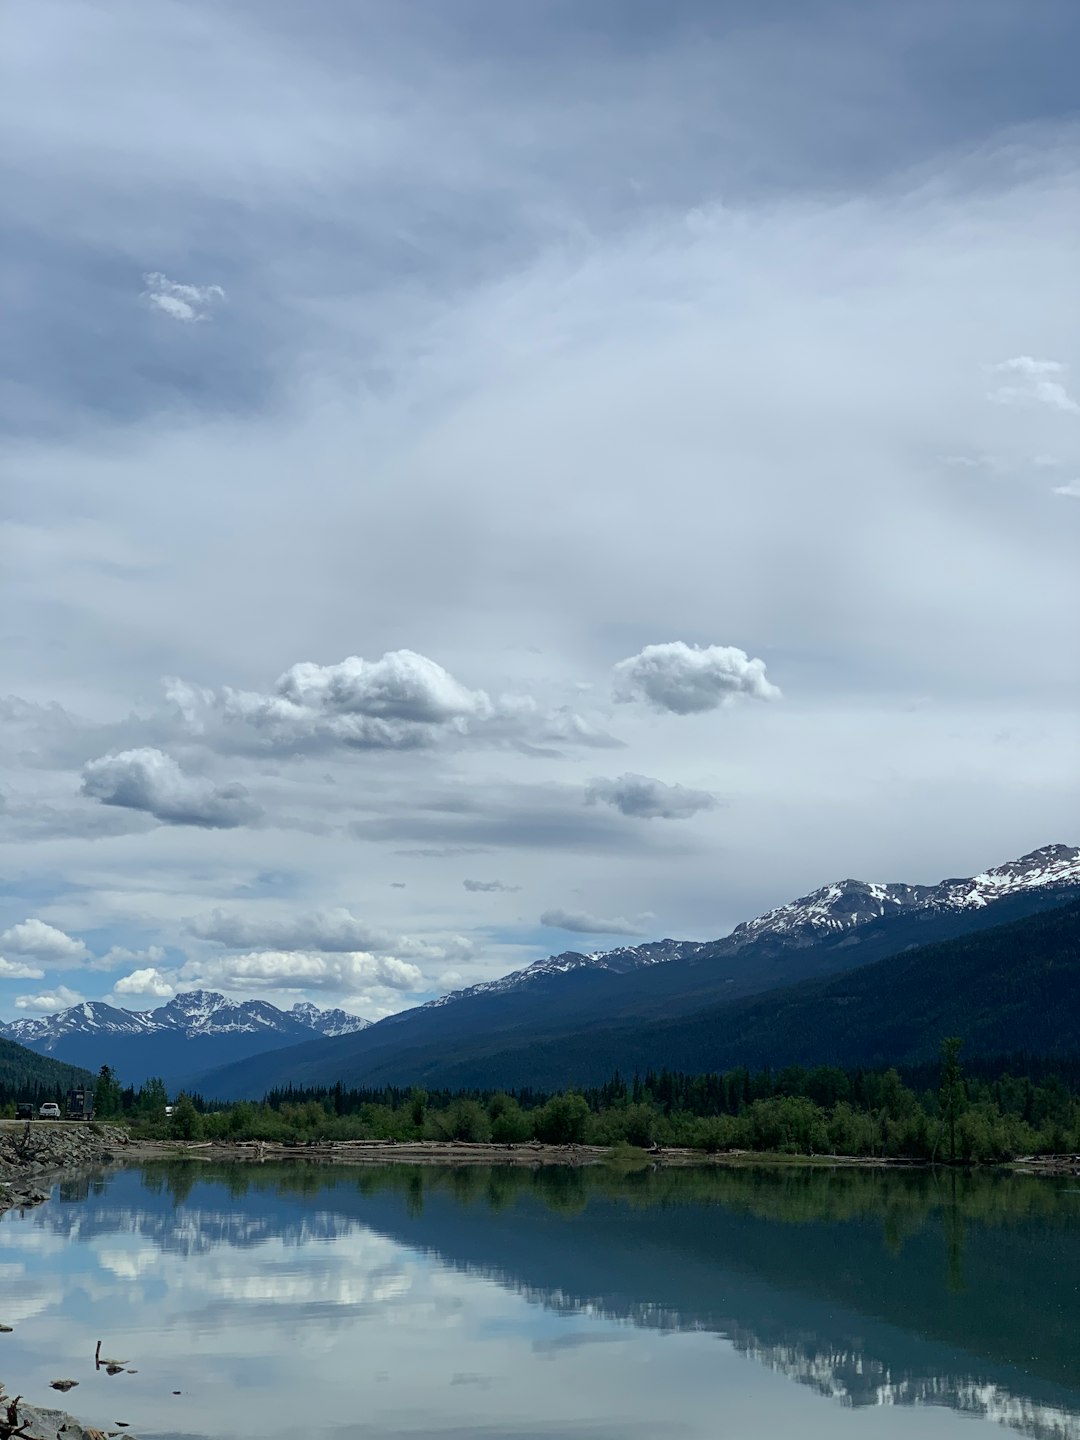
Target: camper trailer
x=80, y=1105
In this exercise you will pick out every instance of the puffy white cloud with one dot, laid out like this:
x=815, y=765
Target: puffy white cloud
x=401, y=686
x=485, y=887
x=582, y=923
x=43, y=942
x=649, y=799
x=61, y=998
x=19, y=970
x=1033, y=384
x=186, y=303
x=149, y=780
x=688, y=679
x=148, y=981
x=1071, y=489
x=342, y=971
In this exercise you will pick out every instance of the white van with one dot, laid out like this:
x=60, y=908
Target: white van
x=49, y=1111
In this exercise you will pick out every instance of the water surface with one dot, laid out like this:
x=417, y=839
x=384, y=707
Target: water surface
x=313, y=1302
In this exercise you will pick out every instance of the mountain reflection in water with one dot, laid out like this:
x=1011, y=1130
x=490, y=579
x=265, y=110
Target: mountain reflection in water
x=870, y=1288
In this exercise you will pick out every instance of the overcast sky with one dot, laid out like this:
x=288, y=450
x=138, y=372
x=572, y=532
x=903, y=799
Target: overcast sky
x=487, y=479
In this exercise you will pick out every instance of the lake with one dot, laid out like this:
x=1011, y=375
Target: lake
x=609, y=1304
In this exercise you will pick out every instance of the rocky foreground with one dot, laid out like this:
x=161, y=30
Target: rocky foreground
x=19, y=1421
x=33, y=1155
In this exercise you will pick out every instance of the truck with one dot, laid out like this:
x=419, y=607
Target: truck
x=80, y=1105
x=24, y=1110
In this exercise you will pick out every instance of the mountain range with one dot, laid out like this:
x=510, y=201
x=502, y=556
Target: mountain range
x=573, y=1018
x=829, y=976
x=196, y=1029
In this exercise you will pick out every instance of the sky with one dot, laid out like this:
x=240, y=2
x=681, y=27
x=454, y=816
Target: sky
x=480, y=481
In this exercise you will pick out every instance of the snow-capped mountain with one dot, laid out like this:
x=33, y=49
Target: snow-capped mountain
x=571, y=1018
x=192, y=1013
x=194, y=1032
x=847, y=904
x=328, y=1022
x=617, y=962
x=827, y=913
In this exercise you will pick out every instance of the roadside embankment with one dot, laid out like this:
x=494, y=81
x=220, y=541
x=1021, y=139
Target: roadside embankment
x=33, y=1154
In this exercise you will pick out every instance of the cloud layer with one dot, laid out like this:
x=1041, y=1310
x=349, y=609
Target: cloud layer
x=582, y=923
x=475, y=357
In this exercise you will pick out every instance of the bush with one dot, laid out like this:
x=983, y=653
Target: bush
x=564, y=1120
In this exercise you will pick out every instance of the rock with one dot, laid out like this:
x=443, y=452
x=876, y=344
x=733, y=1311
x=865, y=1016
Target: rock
x=64, y=1385
x=6, y=1329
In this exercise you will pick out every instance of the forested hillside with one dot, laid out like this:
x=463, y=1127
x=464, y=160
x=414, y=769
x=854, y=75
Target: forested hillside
x=26, y=1076
x=1013, y=988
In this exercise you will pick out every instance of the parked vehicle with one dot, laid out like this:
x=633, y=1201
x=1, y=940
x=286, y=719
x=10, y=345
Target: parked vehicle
x=24, y=1110
x=49, y=1111
x=80, y=1105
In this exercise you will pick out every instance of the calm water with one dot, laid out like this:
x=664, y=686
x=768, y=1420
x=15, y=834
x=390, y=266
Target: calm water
x=393, y=1302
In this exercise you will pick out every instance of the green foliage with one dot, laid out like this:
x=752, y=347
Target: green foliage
x=108, y=1095
x=564, y=1120
x=951, y=1093
x=186, y=1123
x=984, y=1116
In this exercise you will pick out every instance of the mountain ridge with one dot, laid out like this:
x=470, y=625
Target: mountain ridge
x=837, y=928
x=194, y=1030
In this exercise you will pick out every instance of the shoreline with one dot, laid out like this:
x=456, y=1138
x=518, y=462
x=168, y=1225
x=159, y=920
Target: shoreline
x=31, y=1162
x=535, y=1155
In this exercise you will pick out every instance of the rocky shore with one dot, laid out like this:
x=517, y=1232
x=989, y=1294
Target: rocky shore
x=20, y=1421
x=33, y=1155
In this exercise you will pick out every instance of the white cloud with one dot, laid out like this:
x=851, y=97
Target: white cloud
x=187, y=303
x=149, y=780
x=149, y=981
x=1028, y=365
x=342, y=971
x=18, y=970
x=582, y=923
x=485, y=887
x=403, y=701
x=1072, y=489
x=59, y=999
x=43, y=942
x=401, y=686
x=1034, y=387
x=649, y=799
x=688, y=679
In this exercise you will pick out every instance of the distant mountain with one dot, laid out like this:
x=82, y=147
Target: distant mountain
x=562, y=1002
x=25, y=1075
x=196, y=1029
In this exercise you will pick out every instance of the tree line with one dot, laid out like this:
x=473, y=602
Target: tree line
x=974, y=1115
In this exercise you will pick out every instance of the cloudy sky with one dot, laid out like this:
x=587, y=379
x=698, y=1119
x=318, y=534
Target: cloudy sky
x=482, y=479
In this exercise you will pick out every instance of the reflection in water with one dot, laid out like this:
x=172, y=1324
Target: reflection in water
x=871, y=1288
